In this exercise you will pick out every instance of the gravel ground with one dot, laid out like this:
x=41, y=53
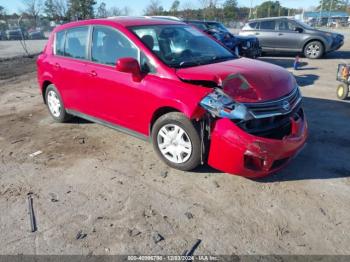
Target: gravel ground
x=97, y=191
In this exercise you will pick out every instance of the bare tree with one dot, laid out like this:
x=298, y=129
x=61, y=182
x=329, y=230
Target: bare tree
x=209, y=8
x=33, y=8
x=115, y=11
x=61, y=8
x=56, y=9
x=154, y=8
x=102, y=11
x=187, y=9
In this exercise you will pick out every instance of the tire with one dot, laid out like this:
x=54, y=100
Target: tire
x=342, y=91
x=55, y=105
x=314, y=50
x=179, y=140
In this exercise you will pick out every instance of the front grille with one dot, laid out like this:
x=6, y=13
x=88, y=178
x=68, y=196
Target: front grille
x=275, y=127
x=282, y=106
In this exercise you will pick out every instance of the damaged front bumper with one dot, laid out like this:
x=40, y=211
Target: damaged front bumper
x=235, y=151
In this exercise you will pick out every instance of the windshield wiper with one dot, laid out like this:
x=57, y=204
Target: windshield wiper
x=189, y=63
x=222, y=58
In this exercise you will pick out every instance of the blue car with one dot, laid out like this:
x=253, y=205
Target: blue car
x=247, y=46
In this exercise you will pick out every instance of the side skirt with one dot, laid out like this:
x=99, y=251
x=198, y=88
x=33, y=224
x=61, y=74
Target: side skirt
x=108, y=124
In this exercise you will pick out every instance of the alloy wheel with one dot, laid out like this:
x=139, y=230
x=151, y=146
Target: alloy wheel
x=313, y=50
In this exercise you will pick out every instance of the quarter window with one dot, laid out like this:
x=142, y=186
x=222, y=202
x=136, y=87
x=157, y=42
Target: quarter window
x=253, y=25
x=76, y=42
x=108, y=45
x=267, y=25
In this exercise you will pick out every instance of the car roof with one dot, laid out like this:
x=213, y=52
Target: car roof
x=124, y=21
x=271, y=18
x=200, y=21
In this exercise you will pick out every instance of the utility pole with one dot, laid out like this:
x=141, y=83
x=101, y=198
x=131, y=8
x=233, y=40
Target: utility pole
x=321, y=10
x=330, y=10
x=250, y=9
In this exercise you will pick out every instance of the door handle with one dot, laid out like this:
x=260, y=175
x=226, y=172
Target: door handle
x=93, y=73
x=57, y=66
x=257, y=33
x=280, y=34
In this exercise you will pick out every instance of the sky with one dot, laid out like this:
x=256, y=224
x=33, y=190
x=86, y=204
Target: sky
x=137, y=6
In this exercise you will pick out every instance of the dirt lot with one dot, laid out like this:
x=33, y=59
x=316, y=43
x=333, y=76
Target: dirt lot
x=113, y=188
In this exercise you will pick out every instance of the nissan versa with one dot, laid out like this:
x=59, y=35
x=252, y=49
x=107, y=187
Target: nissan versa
x=168, y=82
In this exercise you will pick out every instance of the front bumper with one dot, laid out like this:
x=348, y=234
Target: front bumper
x=234, y=151
x=336, y=44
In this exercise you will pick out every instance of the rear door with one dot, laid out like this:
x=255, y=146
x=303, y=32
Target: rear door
x=70, y=67
x=288, y=38
x=267, y=34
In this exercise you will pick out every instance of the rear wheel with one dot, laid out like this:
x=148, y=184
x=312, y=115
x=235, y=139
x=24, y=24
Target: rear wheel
x=342, y=91
x=176, y=141
x=314, y=50
x=55, y=104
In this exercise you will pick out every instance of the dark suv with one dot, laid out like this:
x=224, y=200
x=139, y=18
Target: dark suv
x=288, y=35
x=247, y=46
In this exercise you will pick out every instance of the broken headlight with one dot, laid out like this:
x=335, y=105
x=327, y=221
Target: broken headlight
x=219, y=104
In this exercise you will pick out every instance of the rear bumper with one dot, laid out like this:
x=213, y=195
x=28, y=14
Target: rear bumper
x=234, y=151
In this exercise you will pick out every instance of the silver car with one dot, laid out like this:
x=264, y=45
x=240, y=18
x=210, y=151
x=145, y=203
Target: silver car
x=277, y=35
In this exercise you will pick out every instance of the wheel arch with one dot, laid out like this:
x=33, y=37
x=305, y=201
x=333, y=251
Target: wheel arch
x=312, y=40
x=159, y=112
x=44, y=86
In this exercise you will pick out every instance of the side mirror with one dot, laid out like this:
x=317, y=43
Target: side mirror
x=299, y=29
x=129, y=65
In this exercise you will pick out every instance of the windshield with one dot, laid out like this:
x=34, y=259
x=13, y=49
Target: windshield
x=306, y=26
x=218, y=26
x=181, y=46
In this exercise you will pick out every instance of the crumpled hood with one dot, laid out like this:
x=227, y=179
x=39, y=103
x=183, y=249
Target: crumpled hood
x=245, y=80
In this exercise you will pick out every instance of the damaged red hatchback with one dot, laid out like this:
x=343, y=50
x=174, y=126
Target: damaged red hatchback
x=167, y=82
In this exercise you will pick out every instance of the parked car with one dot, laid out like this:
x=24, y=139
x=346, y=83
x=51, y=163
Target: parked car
x=2, y=35
x=35, y=34
x=278, y=35
x=168, y=83
x=16, y=34
x=247, y=46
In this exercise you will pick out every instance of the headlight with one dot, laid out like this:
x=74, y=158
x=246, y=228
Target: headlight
x=221, y=105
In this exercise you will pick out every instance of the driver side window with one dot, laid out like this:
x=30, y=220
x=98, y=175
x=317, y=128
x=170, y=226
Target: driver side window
x=109, y=45
x=286, y=26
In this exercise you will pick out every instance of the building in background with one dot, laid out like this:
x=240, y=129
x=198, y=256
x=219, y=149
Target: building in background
x=324, y=18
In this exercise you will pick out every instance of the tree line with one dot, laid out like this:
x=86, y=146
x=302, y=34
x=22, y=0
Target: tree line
x=226, y=11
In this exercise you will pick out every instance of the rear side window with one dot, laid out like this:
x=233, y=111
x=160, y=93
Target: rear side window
x=59, y=48
x=267, y=25
x=108, y=45
x=76, y=42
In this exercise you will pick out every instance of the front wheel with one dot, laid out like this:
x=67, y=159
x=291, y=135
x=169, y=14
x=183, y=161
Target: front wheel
x=342, y=91
x=314, y=50
x=176, y=141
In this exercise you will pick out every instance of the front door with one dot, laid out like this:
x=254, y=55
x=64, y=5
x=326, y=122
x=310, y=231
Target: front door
x=288, y=38
x=113, y=95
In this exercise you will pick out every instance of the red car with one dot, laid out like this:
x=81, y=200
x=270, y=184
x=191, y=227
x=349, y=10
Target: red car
x=169, y=83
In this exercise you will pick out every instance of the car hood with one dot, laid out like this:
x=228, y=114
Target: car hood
x=244, y=80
